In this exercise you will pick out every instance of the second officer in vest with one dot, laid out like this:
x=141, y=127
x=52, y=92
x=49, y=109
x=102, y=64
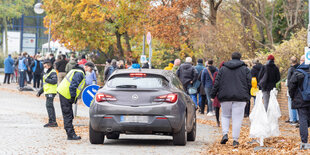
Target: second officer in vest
x=69, y=90
x=50, y=91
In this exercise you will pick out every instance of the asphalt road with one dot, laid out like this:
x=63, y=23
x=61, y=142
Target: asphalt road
x=22, y=116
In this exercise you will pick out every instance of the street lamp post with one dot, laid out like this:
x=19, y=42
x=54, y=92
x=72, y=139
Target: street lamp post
x=39, y=10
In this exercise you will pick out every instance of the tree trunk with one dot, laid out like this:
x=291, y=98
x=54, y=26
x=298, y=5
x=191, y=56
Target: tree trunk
x=127, y=39
x=212, y=12
x=119, y=44
x=247, y=27
x=6, y=35
x=213, y=7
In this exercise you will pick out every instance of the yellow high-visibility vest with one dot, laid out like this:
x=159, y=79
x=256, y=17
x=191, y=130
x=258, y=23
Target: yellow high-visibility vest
x=63, y=88
x=47, y=87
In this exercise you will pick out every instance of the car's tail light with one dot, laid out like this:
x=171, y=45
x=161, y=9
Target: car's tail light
x=101, y=97
x=137, y=75
x=169, y=98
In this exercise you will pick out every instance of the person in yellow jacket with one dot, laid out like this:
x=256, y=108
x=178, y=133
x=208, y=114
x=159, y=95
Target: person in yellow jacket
x=50, y=90
x=170, y=66
x=69, y=90
x=254, y=89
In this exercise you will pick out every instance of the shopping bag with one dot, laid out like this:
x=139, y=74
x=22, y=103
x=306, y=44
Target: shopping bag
x=259, y=120
x=273, y=113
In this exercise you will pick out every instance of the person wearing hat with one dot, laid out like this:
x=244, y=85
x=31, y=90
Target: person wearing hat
x=69, y=90
x=268, y=77
x=90, y=74
x=50, y=89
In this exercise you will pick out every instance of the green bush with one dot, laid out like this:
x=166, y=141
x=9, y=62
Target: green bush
x=2, y=60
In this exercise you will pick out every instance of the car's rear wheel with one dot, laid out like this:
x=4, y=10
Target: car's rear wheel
x=180, y=138
x=112, y=135
x=95, y=137
x=191, y=136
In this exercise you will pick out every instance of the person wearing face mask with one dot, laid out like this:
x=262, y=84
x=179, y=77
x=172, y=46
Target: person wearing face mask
x=50, y=90
x=90, y=74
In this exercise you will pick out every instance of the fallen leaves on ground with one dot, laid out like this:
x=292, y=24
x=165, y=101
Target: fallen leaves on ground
x=287, y=143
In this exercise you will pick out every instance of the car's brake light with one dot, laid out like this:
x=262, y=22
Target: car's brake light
x=137, y=75
x=101, y=97
x=169, y=98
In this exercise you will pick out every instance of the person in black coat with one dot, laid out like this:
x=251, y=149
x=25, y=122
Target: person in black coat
x=256, y=68
x=293, y=118
x=295, y=86
x=187, y=73
x=268, y=77
x=232, y=87
x=61, y=68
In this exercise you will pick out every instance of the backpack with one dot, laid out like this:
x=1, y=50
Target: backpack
x=305, y=92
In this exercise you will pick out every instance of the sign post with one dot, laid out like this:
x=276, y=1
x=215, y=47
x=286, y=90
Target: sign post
x=89, y=93
x=149, y=41
x=143, y=59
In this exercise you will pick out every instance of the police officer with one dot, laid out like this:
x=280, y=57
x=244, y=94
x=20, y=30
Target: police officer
x=50, y=90
x=69, y=90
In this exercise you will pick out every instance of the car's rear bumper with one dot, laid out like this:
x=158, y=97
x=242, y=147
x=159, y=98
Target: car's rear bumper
x=112, y=123
x=165, y=118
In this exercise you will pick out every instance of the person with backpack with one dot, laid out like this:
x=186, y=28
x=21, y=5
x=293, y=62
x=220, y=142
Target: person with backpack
x=299, y=90
x=207, y=82
x=200, y=67
x=22, y=69
x=37, y=69
x=110, y=69
x=293, y=117
x=268, y=77
x=188, y=76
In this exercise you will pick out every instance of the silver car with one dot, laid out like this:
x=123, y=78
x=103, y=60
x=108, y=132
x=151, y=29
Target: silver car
x=142, y=102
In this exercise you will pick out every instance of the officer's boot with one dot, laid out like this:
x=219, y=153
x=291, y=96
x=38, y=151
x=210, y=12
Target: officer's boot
x=71, y=135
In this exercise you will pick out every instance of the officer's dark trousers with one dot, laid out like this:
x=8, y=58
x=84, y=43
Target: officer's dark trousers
x=304, y=116
x=50, y=108
x=67, y=113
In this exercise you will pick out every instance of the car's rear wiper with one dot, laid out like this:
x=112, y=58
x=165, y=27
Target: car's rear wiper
x=126, y=86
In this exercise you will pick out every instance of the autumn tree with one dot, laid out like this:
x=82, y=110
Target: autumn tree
x=96, y=24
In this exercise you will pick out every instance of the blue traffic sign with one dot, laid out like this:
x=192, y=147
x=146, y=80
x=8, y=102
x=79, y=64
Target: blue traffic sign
x=89, y=94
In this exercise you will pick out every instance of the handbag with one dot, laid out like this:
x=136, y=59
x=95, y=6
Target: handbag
x=192, y=90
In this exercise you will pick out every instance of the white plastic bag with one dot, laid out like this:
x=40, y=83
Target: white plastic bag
x=273, y=113
x=259, y=120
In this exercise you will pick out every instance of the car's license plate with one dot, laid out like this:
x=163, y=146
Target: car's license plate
x=135, y=119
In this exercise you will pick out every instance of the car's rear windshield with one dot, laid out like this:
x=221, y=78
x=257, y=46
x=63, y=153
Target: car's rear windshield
x=144, y=81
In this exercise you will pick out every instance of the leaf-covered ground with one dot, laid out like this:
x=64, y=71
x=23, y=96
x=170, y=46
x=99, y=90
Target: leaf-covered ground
x=287, y=143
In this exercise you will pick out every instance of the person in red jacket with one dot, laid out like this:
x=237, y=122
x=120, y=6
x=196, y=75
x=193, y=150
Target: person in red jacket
x=83, y=61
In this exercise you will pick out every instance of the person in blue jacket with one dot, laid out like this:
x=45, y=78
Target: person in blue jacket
x=134, y=65
x=22, y=68
x=8, y=69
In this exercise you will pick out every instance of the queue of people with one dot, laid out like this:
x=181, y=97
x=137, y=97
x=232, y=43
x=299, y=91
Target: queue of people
x=206, y=84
